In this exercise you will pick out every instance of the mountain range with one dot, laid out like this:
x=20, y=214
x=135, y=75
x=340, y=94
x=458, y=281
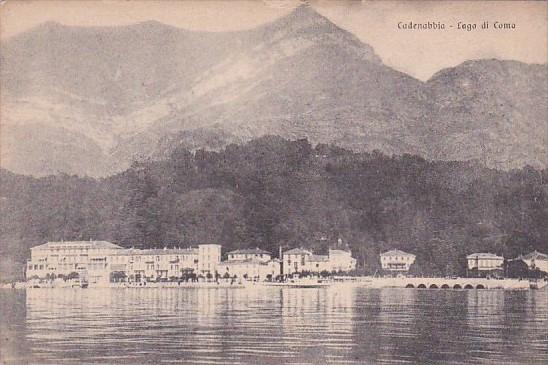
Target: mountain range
x=91, y=100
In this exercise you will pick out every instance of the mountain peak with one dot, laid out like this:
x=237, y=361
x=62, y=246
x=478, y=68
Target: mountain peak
x=307, y=11
x=305, y=16
x=304, y=22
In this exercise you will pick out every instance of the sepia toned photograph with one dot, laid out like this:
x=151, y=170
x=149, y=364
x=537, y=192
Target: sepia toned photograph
x=272, y=182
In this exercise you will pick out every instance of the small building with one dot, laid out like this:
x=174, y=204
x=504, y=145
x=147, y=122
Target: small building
x=317, y=263
x=294, y=260
x=299, y=260
x=396, y=260
x=535, y=260
x=484, y=261
x=341, y=260
x=250, y=269
x=249, y=253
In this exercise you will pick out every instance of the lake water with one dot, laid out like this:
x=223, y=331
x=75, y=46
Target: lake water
x=273, y=326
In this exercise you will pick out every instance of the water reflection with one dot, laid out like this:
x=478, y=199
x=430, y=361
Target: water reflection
x=274, y=326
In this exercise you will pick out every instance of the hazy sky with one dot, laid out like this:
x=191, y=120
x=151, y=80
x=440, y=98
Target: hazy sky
x=419, y=53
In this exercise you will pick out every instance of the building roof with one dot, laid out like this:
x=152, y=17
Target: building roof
x=535, y=255
x=318, y=258
x=158, y=251
x=483, y=255
x=77, y=244
x=244, y=262
x=396, y=252
x=338, y=251
x=297, y=251
x=248, y=251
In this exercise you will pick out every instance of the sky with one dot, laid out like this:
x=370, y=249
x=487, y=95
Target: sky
x=418, y=53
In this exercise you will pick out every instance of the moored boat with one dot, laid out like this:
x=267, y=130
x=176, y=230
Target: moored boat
x=301, y=283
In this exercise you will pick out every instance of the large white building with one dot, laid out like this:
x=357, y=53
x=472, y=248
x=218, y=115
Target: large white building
x=484, y=261
x=97, y=262
x=87, y=260
x=397, y=260
x=154, y=264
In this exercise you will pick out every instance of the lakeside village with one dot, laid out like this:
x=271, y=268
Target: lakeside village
x=105, y=264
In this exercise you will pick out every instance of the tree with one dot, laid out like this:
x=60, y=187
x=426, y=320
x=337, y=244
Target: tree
x=117, y=276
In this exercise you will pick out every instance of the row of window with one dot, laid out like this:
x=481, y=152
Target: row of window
x=36, y=267
x=246, y=256
x=137, y=258
x=397, y=258
x=485, y=263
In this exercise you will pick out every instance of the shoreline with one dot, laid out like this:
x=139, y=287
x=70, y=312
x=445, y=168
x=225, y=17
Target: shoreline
x=431, y=283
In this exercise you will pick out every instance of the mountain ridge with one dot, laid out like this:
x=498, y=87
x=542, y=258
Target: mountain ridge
x=128, y=88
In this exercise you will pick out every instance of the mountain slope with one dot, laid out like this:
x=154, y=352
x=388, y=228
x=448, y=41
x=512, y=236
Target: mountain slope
x=495, y=111
x=125, y=93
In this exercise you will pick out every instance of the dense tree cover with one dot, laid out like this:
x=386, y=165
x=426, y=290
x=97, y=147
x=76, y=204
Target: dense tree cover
x=271, y=192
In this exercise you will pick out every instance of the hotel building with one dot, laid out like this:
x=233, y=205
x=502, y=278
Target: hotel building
x=98, y=262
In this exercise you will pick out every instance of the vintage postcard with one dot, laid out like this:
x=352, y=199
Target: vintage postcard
x=273, y=182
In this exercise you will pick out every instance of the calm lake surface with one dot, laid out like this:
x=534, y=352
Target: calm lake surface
x=273, y=326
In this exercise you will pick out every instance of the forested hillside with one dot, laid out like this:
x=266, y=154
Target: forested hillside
x=271, y=192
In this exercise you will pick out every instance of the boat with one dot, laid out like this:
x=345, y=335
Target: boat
x=300, y=283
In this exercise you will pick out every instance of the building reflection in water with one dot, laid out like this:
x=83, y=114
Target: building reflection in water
x=281, y=325
x=214, y=325
x=317, y=324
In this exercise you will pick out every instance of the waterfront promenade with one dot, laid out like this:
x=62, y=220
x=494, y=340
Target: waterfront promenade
x=360, y=281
